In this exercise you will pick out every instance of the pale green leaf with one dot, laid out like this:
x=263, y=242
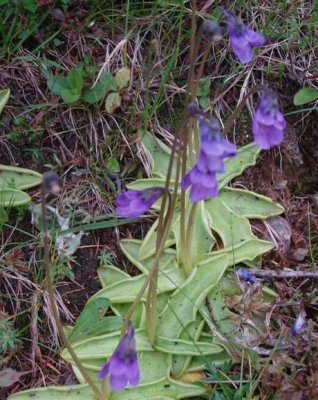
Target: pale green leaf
x=93, y=321
x=165, y=389
x=241, y=252
x=249, y=204
x=102, y=347
x=18, y=178
x=141, y=184
x=122, y=77
x=158, y=155
x=185, y=347
x=131, y=249
x=13, y=198
x=185, y=301
x=146, y=360
x=231, y=227
x=246, y=156
x=75, y=392
x=121, y=309
x=109, y=274
x=125, y=291
x=148, y=246
x=202, y=237
x=191, y=332
x=113, y=101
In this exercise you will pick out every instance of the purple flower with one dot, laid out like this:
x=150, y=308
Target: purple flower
x=242, y=38
x=133, y=203
x=214, y=148
x=299, y=323
x=203, y=184
x=244, y=273
x=268, y=122
x=123, y=365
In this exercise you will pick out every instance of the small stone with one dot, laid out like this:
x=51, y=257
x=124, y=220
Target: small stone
x=58, y=14
x=280, y=184
x=298, y=255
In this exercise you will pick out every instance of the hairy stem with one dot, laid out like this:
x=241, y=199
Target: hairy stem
x=53, y=304
x=229, y=123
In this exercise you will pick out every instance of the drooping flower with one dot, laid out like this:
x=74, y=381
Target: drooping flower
x=212, y=30
x=242, y=38
x=299, y=323
x=133, y=203
x=244, y=273
x=123, y=365
x=268, y=122
x=214, y=148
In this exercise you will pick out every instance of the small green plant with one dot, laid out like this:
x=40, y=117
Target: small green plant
x=203, y=92
x=226, y=385
x=8, y=336
x=19, y=21
x=71, y=88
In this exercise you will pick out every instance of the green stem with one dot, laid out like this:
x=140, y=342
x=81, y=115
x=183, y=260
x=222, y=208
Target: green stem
x=53, y=304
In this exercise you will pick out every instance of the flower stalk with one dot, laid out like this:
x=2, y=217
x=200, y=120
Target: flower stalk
x=54, y=308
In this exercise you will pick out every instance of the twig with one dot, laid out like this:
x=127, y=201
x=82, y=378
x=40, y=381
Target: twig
x=268, y=273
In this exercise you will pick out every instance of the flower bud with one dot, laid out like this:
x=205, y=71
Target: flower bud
x=212, y=30
x=52, y=183
x=193, y=109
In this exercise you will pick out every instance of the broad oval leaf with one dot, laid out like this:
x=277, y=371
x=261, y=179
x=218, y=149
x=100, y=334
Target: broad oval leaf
x=240, y=252
x=18, y=178
x=125, y=291
x=246, y=156
x=103, y=346
x=57, y=83
x=185, y=347
x=75, y=392
x=75, y=80
x=13, y=198
x=158, y=154
x=305, y=95
x=249, y=204
x=122, y=77
x=105, y=84
x=231, y=227
x=113, y=101
x=185, y=301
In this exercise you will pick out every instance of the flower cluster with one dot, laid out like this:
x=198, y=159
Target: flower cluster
x=242, y=38
x=214, y=149
x=123, y=365
x=133, y=203
x=268, y=122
